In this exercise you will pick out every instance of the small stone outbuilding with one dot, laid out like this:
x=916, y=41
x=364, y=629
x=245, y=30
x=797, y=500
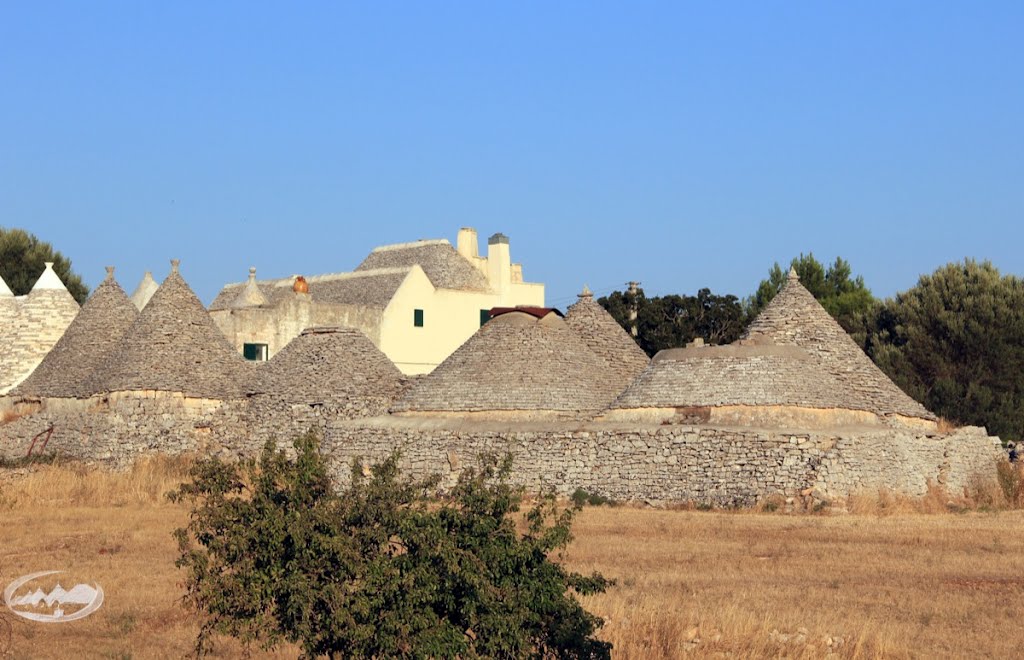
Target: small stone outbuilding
x=524, y=363
x=323, y=374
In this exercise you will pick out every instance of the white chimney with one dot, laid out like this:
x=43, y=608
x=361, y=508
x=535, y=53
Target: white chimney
x=466, y=243
x=499, y=263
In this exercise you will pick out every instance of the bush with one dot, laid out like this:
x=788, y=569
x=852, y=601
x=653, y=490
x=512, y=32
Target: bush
x=274, y=554
x=1011, y=482
x=581, y=497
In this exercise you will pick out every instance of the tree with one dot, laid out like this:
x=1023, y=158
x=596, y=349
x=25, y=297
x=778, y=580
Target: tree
x=674, y=320
x=845, y=297
x=22, y=261
x=955, y=341
x=274, y=553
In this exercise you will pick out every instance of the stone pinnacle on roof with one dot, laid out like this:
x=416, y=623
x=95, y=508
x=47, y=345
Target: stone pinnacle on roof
x=250, y=295
x=605, y=337
x=144, y=291
x=174, y=346
x=94, y=334
x=795, y=318
x=586, y=293
x=49, y=280
x=517, y=363
x=792, y=276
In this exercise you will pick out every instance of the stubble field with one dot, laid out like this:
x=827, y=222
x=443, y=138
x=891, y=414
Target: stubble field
x=695, y=584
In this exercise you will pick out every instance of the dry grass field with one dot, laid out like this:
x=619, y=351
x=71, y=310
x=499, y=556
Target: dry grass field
x=886, y=583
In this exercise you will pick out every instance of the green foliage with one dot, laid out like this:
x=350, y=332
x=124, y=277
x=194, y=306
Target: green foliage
x=845, y=297
x=581, y=497
x=22, y=261
x=674, y=320
x=956, y=342
x=275, y=554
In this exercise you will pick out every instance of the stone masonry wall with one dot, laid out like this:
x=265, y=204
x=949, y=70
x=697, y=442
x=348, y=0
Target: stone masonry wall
x=715, y=466
x=699, y=464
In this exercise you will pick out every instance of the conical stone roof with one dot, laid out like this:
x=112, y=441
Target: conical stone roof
x=174, y=346
x=90, y=339
x=733, y=375
x=517, y=362
x=250, y=295
x=147, y=287
x=795, y=318
x=605, y=337
x=328, y=364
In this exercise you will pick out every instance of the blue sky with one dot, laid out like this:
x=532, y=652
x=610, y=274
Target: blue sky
x=678, y=144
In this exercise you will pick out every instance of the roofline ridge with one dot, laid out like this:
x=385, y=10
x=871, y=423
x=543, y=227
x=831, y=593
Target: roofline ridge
x=355, y=274
x=411, y=244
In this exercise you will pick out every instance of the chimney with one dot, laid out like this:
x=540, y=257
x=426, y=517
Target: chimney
x=466, y=244
x=499, y=263
x=632, y=293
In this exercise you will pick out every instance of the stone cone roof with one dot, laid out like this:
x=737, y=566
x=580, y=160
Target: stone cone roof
x=517, y=362
x=147, y=287
x=250, y=295
x=90, y=339
x=328, y=364
x=605, y=337
x=174, y=346
x=733, y=375
x=795, y=318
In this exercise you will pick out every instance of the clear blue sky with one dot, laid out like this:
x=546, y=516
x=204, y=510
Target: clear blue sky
x=679, y=144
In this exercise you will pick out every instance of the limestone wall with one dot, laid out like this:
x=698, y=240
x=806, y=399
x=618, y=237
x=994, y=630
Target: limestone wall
x=718, y=466
x=118, y=429
x=702, y=464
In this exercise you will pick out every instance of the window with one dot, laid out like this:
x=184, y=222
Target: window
x=417, y=318
x=485, y=316
x=255, y=352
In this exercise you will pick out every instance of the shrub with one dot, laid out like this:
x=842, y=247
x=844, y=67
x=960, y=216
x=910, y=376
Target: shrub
x=274, y=553
x=1011, y=482
x=581, y=497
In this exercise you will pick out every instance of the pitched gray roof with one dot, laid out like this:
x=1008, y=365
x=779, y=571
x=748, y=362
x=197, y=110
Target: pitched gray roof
x=174, y=346
x=795, y=318
x=733, y=375
x=517, y=362
x=605, y=337
x=446, y=268
x=85, y=345
x=371, y=288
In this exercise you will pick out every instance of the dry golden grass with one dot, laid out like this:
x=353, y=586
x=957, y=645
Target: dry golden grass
x=886, y=582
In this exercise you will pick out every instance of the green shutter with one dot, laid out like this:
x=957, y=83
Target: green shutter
x=417, y=318
x=250, y=351
x=485, y=316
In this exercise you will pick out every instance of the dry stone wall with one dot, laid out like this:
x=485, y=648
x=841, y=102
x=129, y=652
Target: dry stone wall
x=700, y=464
x=716, y=466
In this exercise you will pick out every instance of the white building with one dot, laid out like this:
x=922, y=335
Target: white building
x=417, y=302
